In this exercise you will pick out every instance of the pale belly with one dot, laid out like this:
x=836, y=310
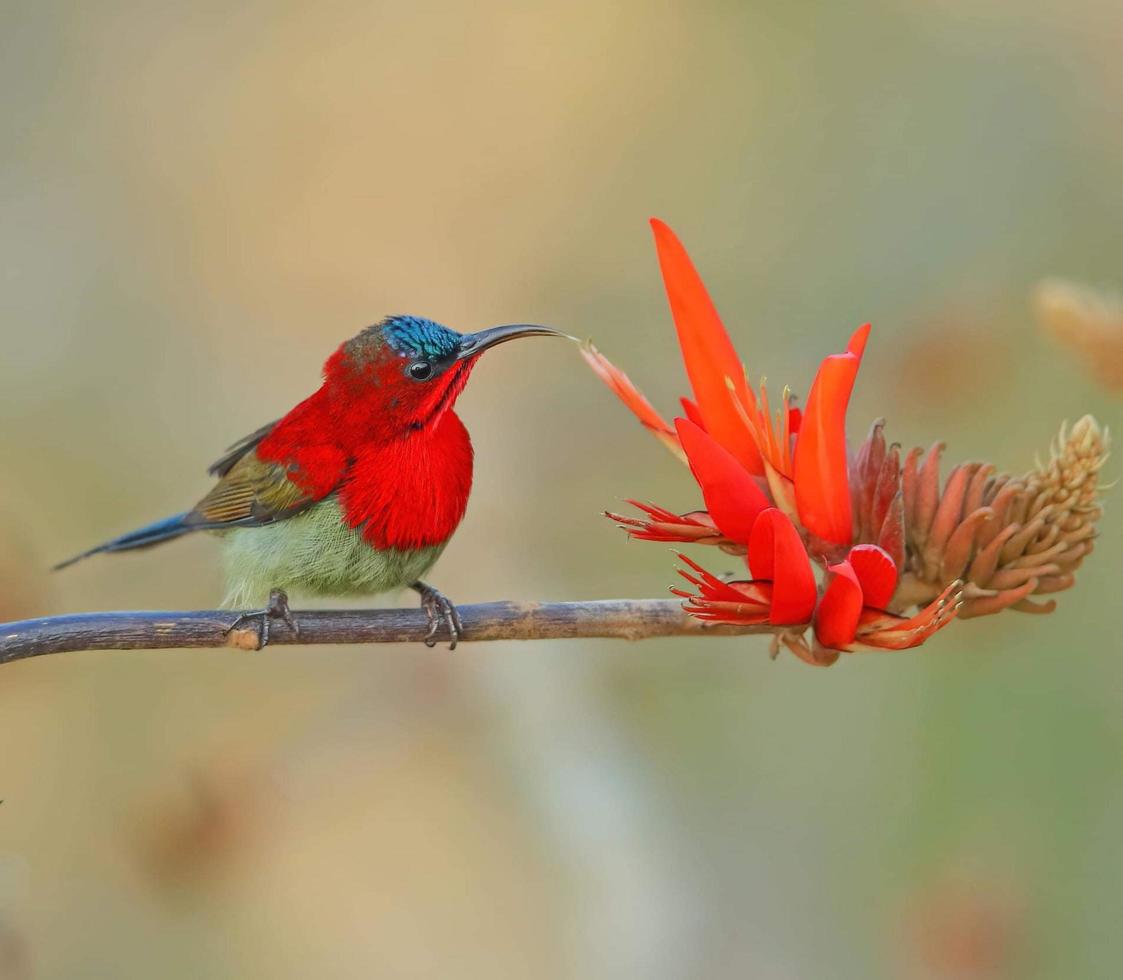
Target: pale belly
x=314, y=553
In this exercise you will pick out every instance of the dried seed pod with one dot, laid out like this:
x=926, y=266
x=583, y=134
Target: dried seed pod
x=875, y=487
x=1011, y=538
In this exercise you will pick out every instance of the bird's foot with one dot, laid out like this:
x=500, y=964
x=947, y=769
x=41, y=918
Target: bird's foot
x=440, y=611
x=278, y=608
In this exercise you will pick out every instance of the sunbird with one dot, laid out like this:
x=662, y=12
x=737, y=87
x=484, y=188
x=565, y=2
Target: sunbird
x=357, y=490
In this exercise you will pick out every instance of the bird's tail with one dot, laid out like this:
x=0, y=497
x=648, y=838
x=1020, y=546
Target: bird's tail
x=143, y=537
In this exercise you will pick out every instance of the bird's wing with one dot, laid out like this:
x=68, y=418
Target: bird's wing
x=223, y=465
x=250, y=492
x=253, y=491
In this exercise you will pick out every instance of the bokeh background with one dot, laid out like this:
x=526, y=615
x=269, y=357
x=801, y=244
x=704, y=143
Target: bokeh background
x=198, y=202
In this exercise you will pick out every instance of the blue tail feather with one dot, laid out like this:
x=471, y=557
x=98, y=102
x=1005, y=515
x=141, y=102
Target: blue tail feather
x=143, y=537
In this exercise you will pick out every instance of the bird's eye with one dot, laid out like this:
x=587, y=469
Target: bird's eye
x=421, y=370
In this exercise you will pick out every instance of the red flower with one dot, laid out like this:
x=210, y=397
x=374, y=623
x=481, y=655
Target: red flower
x=733, y=498
x=802, y=456
x=820, y=467
x=697, y=527
x=782, y=591
x=715, y=371
x=784, y=491
x=854, y=606
x=776, y=489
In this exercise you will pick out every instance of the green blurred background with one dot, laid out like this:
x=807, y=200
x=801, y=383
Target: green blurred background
x=199, y=202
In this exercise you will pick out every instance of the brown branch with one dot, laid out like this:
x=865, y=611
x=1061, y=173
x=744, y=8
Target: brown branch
x=626, y=619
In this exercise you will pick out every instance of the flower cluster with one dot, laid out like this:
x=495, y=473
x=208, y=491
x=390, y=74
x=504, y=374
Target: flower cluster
x=898, y=554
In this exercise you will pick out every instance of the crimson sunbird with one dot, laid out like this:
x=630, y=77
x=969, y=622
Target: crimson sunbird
x=358, y=489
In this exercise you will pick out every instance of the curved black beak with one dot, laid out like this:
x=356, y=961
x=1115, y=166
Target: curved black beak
x=476, y=343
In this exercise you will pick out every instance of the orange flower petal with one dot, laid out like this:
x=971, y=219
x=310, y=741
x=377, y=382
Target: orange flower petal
x=776, y=553
x=724, y=602
x=836, y=619
x=876, y=574
x=690, y=410
x=732, y=496
x=631, y=396
x=665, y=525
x=707, y=351
x=822, y=482
x=888, y=632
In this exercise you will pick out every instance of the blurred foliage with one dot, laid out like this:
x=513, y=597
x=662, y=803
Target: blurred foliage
x=1087, y=322
x=199, y=202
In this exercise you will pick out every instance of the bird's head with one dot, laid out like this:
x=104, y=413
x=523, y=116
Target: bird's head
x=413, y=369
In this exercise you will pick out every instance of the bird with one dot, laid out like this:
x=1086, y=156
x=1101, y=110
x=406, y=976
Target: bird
x=358, y=489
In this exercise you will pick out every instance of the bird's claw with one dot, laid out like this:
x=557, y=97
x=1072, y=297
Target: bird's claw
x=440, y=611
x=278, y=608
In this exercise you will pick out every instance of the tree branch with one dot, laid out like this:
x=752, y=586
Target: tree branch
x=626, y=619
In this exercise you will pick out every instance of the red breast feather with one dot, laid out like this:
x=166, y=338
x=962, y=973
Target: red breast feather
x=399, y=458
x=412, y=492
